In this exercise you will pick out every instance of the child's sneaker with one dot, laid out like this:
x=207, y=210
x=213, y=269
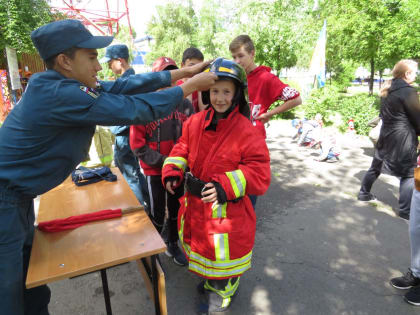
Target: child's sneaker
x=405, y=282
x=413, y=296
x=176, y=253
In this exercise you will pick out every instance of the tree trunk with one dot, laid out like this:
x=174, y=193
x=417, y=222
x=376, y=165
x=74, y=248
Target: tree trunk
x=372, y=75
x=380, y=78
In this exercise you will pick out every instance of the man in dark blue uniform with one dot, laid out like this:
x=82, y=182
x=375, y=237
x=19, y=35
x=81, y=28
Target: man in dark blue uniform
x=117, y=58
x=49, y=132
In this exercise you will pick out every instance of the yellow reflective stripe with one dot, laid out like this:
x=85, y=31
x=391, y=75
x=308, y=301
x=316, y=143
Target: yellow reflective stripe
x=106, y=158
x=223, y=69
x=228, y=291
x=215, y=273
x=238, y=182
x=226, y=302
x=219, y=210
x=220, y=264
x=221, y=246
x=187, y=249
x=179, y=162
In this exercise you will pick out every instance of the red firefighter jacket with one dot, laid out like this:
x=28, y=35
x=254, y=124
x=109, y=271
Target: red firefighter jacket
x=218, y=238
x=152, y=143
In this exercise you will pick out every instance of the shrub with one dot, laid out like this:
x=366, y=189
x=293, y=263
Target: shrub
x=332, y=105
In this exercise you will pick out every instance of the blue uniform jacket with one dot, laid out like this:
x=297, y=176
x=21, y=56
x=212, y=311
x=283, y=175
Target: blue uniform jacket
x=116, y=130
x=48, y=133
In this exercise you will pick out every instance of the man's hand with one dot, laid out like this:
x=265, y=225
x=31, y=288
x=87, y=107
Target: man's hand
x=197, y=68
x=210, y=194
x=188, y=72
x=200, y=82
x=170, y=186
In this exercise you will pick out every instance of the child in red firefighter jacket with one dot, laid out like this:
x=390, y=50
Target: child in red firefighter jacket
x=227, y=161
x=152, y=143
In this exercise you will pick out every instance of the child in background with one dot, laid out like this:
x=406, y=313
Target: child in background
x=152, y=143
x=228, y=161
x=191, y=57
x=311, y=132
x=329, y=151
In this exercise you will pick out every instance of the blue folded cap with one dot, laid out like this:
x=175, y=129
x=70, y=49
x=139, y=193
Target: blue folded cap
x=56, y=37
x=115, y=52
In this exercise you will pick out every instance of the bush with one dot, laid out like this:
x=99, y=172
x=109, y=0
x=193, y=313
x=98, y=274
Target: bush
x=332, y=104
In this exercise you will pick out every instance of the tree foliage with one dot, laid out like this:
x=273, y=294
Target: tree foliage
x=18, y=18
x=375, y=33
x=174, y=29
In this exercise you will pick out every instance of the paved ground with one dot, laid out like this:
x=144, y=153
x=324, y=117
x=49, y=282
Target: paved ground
x=317, y=250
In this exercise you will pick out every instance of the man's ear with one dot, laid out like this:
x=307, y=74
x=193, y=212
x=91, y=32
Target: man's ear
x=253, y=53
x=64, y=62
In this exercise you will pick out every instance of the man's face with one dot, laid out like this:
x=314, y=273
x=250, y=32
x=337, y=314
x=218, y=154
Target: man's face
x=115, y=65
x=85, y=66
x=244, y=58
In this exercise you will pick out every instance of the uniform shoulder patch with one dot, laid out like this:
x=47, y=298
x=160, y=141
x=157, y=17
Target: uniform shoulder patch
x=89, y=91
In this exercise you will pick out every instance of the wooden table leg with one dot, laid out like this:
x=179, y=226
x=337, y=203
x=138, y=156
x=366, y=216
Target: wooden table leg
x=106, y=292
x=145, y=267
x=155, y=285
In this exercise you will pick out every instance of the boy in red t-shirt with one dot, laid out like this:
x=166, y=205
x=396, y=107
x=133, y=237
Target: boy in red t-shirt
x=191, y=57
x=264, y=88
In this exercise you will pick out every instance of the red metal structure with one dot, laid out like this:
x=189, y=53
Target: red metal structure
x=103, y=19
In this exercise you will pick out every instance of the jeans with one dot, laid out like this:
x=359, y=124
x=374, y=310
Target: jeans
x=406, y=193
x=129, y=166
x=16, y=235
x=253, y=199
x=414, y=232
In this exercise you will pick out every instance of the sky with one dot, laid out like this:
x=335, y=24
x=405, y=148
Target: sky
x=140, y=11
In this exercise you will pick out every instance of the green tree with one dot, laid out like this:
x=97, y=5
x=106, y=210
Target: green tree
x=372, y=32
x=174, y=29
x=18, y=18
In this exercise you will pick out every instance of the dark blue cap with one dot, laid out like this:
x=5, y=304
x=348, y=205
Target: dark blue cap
x=115, y=52
x=56, y=37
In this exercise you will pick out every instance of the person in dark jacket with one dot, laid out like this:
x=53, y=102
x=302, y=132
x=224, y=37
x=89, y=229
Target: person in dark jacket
x=152, y=144
x=117, y=58
x=396, y=151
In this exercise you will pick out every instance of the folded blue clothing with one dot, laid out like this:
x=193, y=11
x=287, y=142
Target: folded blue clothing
x=82, y=176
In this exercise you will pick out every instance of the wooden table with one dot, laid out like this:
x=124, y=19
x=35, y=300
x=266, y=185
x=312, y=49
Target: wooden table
x=97, y=245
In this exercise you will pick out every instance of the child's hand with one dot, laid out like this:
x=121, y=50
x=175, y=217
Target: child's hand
x=170, y=186
x=209, y=193
x=264, y=118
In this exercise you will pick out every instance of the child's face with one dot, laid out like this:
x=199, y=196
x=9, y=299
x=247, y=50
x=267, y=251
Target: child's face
x=221, y=95
x=244, y=58
x=191, y=62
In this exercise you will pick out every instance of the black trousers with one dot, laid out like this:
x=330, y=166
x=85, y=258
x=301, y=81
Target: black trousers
x=406, y=185
x=371, y=176
x=159, y=199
